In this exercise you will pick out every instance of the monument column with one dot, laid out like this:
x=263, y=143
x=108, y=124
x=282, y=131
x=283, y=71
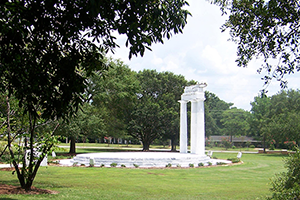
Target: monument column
x=200, y=149
x=194, y=94
x=194, y=105
x=183, y=126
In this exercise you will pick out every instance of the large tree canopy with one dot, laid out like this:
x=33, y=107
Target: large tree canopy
x=45, y=44
x=155, y=114
x=268, y=29
x=115, y=96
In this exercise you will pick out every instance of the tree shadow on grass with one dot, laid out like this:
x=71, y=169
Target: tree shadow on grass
x=275, y=155
x=92, y=150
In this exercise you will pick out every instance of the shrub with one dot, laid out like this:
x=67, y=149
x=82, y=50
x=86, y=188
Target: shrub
x=285, y=185
x=221, y=163
x=178, y=165
x=54, y=162
x=248, y=143
x=113, y=164
x=123, y=165
x=227, y=144
x=234, y=160
x=252, y=146
x=102, y=165
x=191, y=165
x=290, y=145
x=233, y=147
x=169, y=165
x=200, y=164
x=209, y=164
x=272, y=147
x=135, y=165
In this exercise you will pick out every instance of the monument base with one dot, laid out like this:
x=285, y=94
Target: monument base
x=142, y=159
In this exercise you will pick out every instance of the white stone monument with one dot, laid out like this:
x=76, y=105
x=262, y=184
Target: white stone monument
x=195, y=95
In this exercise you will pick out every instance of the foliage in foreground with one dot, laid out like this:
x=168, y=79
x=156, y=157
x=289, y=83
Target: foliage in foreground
x=47, y=52
x=286, y=185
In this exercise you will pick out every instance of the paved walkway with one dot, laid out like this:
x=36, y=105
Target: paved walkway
x=7, y=165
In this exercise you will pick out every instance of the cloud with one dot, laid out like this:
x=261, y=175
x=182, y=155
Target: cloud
x=203, y=53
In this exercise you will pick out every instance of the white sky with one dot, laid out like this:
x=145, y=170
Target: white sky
x=204, y=54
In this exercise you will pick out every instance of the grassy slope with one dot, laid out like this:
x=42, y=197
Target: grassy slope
x=247, y=181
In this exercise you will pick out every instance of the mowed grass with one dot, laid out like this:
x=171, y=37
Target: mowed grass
x=246, y=181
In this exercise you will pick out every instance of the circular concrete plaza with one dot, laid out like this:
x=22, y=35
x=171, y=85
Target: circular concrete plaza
x=141, y=159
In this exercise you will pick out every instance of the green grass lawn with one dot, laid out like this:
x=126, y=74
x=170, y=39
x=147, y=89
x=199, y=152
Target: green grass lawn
x=246, y=181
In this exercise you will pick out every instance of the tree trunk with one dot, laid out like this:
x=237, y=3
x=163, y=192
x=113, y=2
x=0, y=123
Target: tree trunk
x=173, y=144
x=146, y=146
x=264, y=143
x=72, y=146
x=33, y=168
x=9, y=141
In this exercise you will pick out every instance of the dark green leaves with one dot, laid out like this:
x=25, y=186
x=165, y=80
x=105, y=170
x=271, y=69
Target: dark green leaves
x=46, y=51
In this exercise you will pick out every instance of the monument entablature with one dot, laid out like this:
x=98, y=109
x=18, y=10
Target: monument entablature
x=194, y=92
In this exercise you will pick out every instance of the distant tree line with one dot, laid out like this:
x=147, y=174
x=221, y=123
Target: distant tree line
x=143, y=106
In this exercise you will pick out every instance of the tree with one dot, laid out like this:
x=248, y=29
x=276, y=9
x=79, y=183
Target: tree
x=114, y=94
x=172, y=87
x=146, y=122
x=285, y=115
x=285, y=129
x=267, y=29
x=162, y=91
x=47, y=51
x=35, y=140
x=214, y=109
x=235, y=122
x=87, y=123
x=211, y=127
x=260, y=117
x=275, y=119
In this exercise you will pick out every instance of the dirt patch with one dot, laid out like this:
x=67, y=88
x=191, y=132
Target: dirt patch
x=7, y=169
x=10, y=189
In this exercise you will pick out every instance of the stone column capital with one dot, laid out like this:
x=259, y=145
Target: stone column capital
x=183, y=101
